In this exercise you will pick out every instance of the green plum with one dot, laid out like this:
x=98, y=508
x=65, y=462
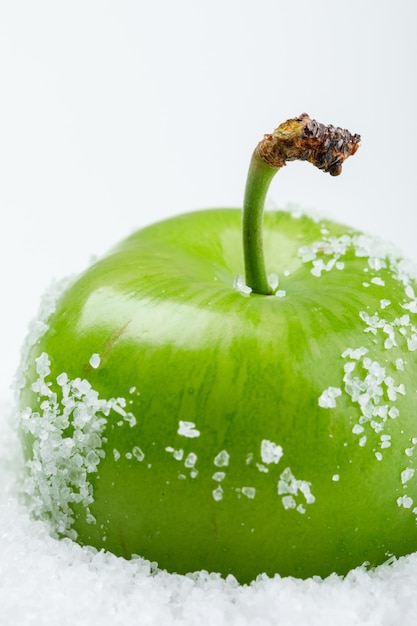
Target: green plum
x=181, y=404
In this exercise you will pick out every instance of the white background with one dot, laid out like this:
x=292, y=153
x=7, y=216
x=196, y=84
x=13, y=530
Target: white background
x=114, y=114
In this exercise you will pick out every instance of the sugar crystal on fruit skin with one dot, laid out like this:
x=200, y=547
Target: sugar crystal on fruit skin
x=138, y=453
x=222, y=459
x=288, y=484
x=405, y=501
x=217, y=493
x=95, y=361
x=58, y=474
x=270, y=452
x=407, y=475
x=240, y=285
x=327, y=399
x=249, y=492
x=188, y=429
x=190, y=460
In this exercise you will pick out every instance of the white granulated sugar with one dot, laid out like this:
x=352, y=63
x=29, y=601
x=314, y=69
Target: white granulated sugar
x=290, y=489
x=377, y=280
x=412, y=343
x=327, y=400
x=95, y=361
x=288, y=502
x=249, y=492
x=355, y=354
x=270, y=452
x=138, y=454
x=190, y=460
x=368, y=386
x=240, y=285
x=58, y=474
x=188, y=429
x=177, y=454
x=385, y=443
x=218, y=493
x=407, y=475
x=399, y=364
x=222, y=459
x=273, y=281
x=405, y=501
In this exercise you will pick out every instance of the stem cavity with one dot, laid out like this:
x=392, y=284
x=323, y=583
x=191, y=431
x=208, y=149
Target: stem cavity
x=300, y=138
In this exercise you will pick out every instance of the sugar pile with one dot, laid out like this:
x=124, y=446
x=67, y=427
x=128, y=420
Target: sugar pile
x=47, y=582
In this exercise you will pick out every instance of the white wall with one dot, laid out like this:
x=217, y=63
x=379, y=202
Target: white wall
x=116, y=113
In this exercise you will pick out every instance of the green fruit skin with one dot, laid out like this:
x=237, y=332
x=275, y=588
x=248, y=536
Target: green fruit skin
x=162, y=313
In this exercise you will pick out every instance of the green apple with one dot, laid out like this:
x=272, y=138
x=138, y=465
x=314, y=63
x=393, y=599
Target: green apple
x=184, y=405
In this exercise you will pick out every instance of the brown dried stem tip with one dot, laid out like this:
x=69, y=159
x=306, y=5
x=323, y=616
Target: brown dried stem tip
x=304, y=139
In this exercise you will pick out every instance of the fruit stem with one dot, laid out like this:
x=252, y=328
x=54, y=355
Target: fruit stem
x=258, y=180
x=300, y=138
